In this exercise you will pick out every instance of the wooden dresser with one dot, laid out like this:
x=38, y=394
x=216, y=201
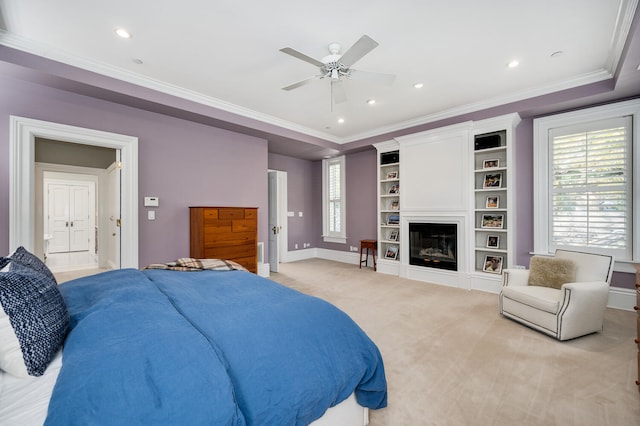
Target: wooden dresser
x=637, y=308
x=225, y=233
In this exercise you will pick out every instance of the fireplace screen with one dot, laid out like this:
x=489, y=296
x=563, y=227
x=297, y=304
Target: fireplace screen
x=433, y=245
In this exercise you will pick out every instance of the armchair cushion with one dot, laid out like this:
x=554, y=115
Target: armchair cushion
x=551, y=272
x=542, y=298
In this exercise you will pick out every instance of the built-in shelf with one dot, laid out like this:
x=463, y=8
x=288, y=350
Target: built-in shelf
x=388, y=207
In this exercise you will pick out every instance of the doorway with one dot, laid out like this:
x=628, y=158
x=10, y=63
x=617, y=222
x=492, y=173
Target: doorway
x=67, y=201
x=278, y=232
x=24, y=229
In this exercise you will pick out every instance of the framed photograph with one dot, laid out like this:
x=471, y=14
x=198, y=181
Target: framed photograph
x=395, y=205
x=492, y=264
x=394, y=189
x=493, y=241
x=392, y=253
x=491, y=164
x=492, y=180
x=493, y=202
x=492, y=221
x=393, y=235
x=392, y=175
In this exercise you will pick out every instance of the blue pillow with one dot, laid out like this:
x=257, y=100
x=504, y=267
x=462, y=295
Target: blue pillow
x=35, y=318
x=23, y=257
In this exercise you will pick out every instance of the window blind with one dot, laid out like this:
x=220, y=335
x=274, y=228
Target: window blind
x=590, y=194
x=335, y=200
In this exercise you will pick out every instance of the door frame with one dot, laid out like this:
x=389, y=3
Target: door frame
x=23, y=132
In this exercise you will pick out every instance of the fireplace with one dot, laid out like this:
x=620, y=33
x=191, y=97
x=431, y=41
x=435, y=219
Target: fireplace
x=433, y=245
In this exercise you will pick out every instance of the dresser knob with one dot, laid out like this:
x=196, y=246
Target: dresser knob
x=635, y=308
x=637, y=341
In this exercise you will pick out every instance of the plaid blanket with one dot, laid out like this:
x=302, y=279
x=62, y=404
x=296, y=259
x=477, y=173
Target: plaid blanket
x=190, y=264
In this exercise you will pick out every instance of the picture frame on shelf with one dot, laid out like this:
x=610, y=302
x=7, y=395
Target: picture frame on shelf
x=492, y=264
x=492, y=202
x=392, y=175
x=391, y=253
x=492, y=221
x=395, y=205
x=394, y=189
x=492, y=180
x=491, y=164
x=493, y=241
x=393, y=219
x=393, y=235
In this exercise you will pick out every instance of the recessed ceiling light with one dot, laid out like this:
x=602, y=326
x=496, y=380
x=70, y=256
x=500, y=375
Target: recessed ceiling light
x=513, y=64
x=371, y=101
x=418, y=85
x=340, y=120
x=123, y=33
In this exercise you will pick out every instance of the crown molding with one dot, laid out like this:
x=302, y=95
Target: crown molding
x=59, y=55
x=623, y=23
x=585, y=79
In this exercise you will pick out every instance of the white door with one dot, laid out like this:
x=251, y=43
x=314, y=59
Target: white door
x=274, y=225
x=78, y=218
x=278, y=233
x=58, y=217
x=68, y=213
x=113, y=212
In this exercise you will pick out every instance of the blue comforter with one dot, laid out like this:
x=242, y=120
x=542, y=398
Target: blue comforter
x=210, y=347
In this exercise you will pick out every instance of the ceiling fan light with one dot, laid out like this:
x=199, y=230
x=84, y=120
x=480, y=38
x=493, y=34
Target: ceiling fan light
x=334, y=74
x=371, y=101
x=340, y=120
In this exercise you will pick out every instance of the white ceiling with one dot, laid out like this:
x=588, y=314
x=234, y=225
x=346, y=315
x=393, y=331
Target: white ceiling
x=226, y=54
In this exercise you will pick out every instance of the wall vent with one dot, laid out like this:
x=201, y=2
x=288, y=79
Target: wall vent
x=260, y=252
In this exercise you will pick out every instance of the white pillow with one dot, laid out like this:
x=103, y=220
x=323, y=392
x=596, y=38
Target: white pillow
x=11, y=359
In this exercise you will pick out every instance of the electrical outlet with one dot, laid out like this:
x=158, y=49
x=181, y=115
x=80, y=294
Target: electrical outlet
x=296, y=247
x=518, y=267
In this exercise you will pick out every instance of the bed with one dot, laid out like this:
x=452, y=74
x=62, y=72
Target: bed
x=226, y=347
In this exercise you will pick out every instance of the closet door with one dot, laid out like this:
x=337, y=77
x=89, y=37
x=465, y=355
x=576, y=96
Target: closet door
x=78, y=218
x=58, y=216
x=68, y=210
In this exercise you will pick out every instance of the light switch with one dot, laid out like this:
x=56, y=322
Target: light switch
x=291, y=214
x=151, y=214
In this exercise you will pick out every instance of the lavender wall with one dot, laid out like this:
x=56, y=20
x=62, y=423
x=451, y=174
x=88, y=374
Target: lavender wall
x=361, y=192
x=181, y=162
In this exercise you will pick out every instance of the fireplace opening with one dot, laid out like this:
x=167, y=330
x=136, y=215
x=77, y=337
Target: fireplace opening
x=433, y=245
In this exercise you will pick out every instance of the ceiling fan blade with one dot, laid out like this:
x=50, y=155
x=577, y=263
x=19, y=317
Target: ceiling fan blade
x=302, y=56
x=361, y=47
x=374, y=77
x=300, y=83
x=337, y=92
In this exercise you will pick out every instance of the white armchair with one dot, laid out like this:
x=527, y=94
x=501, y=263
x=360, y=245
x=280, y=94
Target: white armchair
x=572, y=307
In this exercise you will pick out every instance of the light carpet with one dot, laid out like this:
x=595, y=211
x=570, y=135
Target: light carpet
x=452, y=359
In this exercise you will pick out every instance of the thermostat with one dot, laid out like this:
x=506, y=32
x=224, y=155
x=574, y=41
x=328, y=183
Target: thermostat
x=151, y=201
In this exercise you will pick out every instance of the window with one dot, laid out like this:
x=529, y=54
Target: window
x=333, y=200
x=584, y=178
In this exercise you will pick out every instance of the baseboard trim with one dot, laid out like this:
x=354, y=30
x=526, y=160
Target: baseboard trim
x=619, y=298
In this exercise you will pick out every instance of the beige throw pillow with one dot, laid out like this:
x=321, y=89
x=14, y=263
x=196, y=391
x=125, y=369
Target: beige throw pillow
x=551, y=272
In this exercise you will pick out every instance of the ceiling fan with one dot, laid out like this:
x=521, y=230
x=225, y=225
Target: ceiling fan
x=337, y=67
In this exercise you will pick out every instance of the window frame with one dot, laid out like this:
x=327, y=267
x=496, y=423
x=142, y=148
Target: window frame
x=327, y=235
x=542, y=171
